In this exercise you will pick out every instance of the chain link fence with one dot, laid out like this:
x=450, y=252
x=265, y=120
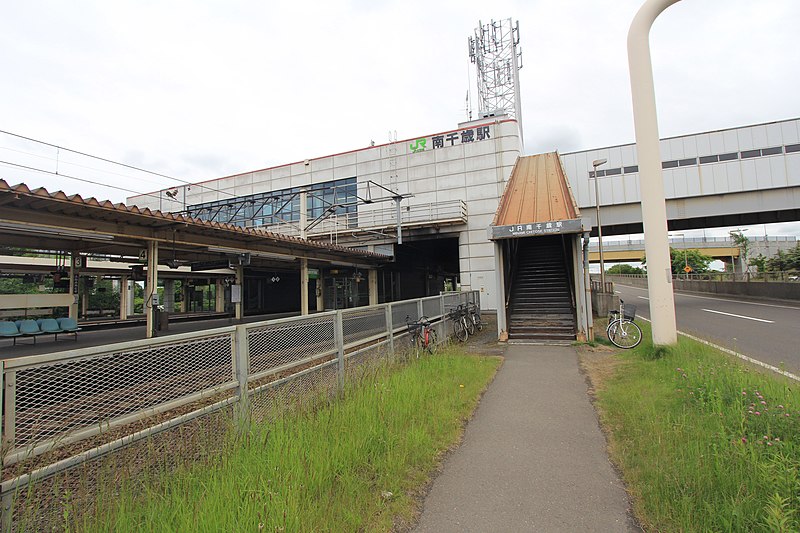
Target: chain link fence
x=62, y=411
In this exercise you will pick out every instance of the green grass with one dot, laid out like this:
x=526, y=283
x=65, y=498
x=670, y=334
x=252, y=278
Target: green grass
x=357, y=463
x=704, y=443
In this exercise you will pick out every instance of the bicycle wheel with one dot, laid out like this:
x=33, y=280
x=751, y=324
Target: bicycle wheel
x=624, y=334
x=468, y=324
x=430, y=347
x=459, y=331
x=476, y=319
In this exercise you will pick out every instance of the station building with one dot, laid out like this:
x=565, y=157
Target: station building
x=445, y=187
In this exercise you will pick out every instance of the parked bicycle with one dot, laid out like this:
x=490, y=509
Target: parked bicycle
x=423, y=334
x=622, y=331
x=463, y=327
x=475, y=315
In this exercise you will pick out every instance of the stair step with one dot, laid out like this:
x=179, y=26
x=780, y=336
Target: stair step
x=542, y=329
x=541, y=336
x=538, y=304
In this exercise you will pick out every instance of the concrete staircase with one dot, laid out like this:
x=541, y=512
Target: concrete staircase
x=540, y=307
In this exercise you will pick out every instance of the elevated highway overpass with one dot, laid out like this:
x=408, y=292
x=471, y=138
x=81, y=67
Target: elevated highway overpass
x=731, y=177
x=722, y=248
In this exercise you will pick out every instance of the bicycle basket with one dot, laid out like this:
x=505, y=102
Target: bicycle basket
x=628, y=311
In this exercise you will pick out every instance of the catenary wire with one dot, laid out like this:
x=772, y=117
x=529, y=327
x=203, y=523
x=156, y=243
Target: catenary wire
x=185, y=182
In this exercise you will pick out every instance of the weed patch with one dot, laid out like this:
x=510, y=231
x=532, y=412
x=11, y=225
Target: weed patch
x=357, y=463
x=704, y=442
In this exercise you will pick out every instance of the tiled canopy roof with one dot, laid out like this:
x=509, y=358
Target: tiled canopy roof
x=21, y=197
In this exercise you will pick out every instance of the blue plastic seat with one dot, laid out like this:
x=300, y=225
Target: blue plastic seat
x=8, y=330
x=50, y=325
x=69, y=325
x=29, y=328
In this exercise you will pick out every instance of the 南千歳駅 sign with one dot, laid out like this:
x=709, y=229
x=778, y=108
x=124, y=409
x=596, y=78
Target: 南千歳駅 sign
x=453, y=138
x=536, y=228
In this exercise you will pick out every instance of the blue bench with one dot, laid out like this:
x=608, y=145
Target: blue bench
x=69, y=325
x=50, y=325
x=29, y=328
x=9, y=330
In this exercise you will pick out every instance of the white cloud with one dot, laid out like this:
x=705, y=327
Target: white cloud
x=204, y=89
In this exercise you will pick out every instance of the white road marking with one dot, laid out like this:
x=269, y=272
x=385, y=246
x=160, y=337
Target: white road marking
x=684, y=295
x=739, y=316
x=737, y=354
x=643, y=297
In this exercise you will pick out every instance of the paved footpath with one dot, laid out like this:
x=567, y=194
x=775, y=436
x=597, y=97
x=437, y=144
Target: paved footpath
x=533, y=457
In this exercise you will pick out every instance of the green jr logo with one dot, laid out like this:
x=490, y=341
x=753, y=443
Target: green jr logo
x=418, y=145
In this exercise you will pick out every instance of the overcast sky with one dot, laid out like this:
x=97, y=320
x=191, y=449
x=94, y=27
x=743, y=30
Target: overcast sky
x=197, y=90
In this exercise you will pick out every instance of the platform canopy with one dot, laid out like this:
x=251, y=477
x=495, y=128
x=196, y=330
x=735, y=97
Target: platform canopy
x=537, y=201
x=40, y=220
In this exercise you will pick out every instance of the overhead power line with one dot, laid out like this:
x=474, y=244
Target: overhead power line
x=132, y=167
x=84, y=180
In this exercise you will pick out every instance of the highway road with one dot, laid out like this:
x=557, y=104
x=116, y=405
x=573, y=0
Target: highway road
x=764, y=330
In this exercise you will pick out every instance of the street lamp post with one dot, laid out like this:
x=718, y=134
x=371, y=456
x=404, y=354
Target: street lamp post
x=596, y=163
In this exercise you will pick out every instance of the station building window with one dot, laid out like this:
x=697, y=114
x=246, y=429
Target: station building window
x=275, y=207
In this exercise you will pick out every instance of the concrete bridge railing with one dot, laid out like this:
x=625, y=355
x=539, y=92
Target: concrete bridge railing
x=724, y=284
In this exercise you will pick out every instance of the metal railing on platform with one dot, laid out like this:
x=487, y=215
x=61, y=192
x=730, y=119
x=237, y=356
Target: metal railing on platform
x=445, y=212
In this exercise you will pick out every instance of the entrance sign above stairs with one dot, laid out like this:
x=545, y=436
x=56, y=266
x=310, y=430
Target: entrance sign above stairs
x=539, y=228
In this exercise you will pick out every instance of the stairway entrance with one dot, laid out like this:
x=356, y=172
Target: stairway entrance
x=541, y=289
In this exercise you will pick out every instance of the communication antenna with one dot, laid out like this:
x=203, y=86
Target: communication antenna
x=497, y=56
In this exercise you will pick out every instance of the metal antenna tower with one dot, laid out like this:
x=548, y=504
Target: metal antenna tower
x=497, y=56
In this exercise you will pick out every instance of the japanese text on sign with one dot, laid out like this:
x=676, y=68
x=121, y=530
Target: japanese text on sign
x=451, y=139
x=537, y=228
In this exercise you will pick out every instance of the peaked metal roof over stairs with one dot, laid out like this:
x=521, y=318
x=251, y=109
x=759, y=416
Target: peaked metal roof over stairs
x=537, y=194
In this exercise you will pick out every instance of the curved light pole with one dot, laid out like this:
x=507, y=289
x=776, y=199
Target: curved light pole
x=654, y=209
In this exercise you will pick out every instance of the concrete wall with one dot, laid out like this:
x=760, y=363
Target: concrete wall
x=755, y=289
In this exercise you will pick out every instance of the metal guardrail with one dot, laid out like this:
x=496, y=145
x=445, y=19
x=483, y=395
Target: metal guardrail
x=445, y=212
x=692, y=242
x=53, y=400
x=766, y=277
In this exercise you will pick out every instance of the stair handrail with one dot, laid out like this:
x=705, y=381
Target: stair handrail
x=570, y=280
x=512, y=269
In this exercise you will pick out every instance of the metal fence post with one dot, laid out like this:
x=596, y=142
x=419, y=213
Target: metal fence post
x=338, y=337
x=420, y=310
x=389, y=327
x=8, y=399
x=10, y=408
x=241, y=370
